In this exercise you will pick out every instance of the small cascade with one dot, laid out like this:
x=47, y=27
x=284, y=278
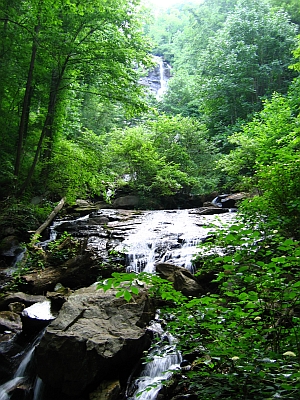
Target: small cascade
x=22, y=373
x=163, y=237
x=38, y=389
x=165, y=359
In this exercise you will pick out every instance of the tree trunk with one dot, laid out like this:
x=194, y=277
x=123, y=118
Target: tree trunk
x=26, y=104
x=47, y=125
x=49, y=219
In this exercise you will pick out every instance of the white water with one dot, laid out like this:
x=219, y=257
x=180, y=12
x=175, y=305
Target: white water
x=20, y=375
x=167, y=236
x=38, y=389
x=164, y=360
x=41, y=311
x=164, y=236
x=163, y=79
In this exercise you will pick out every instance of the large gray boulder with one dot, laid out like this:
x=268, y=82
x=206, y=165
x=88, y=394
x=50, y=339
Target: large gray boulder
x=96, y=337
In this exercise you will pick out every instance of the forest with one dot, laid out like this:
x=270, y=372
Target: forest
x=75, y=121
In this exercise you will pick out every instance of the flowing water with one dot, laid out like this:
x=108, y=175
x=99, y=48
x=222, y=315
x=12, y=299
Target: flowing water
x=164, y=74
x=147, y=238
x=168, y=236
x=22, y=373
x=164, y=236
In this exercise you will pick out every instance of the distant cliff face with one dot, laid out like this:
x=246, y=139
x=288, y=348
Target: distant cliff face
x=157, y=78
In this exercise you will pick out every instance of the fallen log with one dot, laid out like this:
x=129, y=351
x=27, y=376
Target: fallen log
x=49, y=219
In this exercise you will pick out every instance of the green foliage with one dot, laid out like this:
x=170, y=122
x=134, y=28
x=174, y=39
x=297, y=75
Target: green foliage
x=127, y=285
x=261, y=141
x=165, y=27
x=23, y=217
x=76, y=167
x=244, y=340
x=62, y=249
x=228, y=63
x=51, y=50
x=266, y=158
x=162, y=157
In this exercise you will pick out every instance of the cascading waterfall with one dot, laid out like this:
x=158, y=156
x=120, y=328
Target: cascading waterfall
x=163, y=79
x=164, y=359
x=150, y=237
x=164, y=236
x=144, y=250
x=21, y=374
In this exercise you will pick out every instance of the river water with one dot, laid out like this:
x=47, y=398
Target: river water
x=146, y=237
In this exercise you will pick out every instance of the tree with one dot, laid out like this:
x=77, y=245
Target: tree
x=69, y=46
x=247, y=60
x=134, y=161
x=184, y=142
x=292, y=7
x=234, y=65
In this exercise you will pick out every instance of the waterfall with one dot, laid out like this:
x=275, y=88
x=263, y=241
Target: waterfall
x=157, y=78
x=163, y=67
x=163, y=236
x=21, y=374
x=164, y=359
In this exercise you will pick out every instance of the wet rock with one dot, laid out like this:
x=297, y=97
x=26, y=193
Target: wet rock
x=74, y=273
x=20, y=297
x=16, y=307
x=182, y=279
x=10, y=251
x=101, y=220
x=228, y=200
x=10, y=246
x=107, y=391
x=96, y=337
x=209, y=211
x=58, y=297
x=7, y=341
x=10, y=321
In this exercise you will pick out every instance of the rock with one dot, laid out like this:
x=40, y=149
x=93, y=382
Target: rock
x=208, y=211
x=106, y=391
x=10, y=246
x=20, y=297
x=96, y=337
x=83, y=203
x=7, y=341
x=59, y=296
x=228, y=200
x=126, y=201
x=79, y=271
x=16, y=307
x=182, y=279
x=10, y=321
x=98, y=220
x=10, y=251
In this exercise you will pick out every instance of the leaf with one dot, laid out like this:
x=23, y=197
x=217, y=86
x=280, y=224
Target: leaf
x=134, y=289
x=127, y=295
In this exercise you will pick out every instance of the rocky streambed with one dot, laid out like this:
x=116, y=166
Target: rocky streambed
x=89, y=350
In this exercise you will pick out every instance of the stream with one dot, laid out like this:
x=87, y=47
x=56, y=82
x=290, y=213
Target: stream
x=146, y=237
